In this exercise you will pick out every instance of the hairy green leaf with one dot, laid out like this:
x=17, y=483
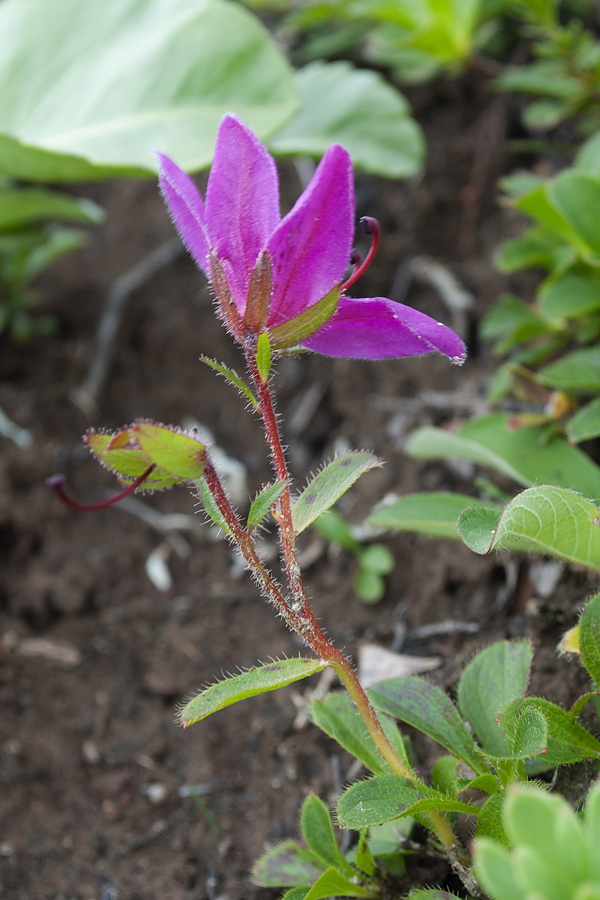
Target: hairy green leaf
x=329, y=485
x=568, y=741
x=333, y=884
x=490, y=822
x=317, y=830
x=546, y=519
x=210, y=507
x=375, y=801
x=263, y=502
x=287, y=864
x=492, y=679
x=589, y=638
x=426, y=707
x=232, y=377
x=256, y=681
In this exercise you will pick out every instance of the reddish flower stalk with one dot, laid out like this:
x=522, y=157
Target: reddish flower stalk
x=57, y=484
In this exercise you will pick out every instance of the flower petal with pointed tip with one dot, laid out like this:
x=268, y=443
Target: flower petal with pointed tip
x=242, y=203
x=311, y=246
x=378, y=328
x=187, y=210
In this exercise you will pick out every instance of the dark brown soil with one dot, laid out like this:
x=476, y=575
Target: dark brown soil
x=85, y=741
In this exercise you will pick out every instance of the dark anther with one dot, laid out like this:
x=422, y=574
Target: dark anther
x=369, y=226
x=355, y=257
x=57, y=484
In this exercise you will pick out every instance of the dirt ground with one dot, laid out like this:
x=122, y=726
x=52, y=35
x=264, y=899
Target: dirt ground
x=93, y=770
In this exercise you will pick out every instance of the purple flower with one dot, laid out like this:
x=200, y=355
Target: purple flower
x=284, y=276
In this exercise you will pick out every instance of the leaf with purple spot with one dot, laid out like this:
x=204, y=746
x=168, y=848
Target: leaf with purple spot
x=329, y=485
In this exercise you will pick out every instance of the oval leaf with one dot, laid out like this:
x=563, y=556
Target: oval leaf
x=426, y=707
x=333, y=884
x=589, y=638
x=317, y=830
x=359, y=110
x=568, y=741
x=256, y=681
x=375, y=801
x=548, y=520
x=177, y=453
x=329, y=485
x=492, y=679
x=287, y=864
x=585, y=424
x=433, y=514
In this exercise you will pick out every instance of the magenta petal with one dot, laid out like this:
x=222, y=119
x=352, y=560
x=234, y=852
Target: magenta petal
x=311, y=247
x=378, y=328
x=187, y=209
x=242, y=202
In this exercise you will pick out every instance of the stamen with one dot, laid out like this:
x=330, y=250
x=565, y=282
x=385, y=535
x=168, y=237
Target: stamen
x=369, y=226
x=56, y=483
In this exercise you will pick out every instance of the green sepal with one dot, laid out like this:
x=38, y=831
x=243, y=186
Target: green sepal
x=306, y=323
x=263, y=356
x=179, y=454
x=256, y=681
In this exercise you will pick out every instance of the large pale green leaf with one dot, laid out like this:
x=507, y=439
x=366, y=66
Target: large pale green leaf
x=359, y=110
x=434, y=514
x=109, y=82
x=526, y=455
x=427, y=708
x=579, y=370
x=287, y=864
x=589, y=638
x=256, y=681
x=568, y=741
x=546, y=519
x=375, y=801
x=329, y=485
x=492, y=679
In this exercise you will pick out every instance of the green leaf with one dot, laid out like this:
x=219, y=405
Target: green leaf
x=492, y=679
x=176, y=453
x=490, y=822
x=364, y=860
x=317, y=830
x=210, y=507
x=577, y=196
x=282, y=337
x=23, y=206
x=531, y=736
x=332, y=526
x=442, y=804
x=336, y=715
x=427, y=708
x=493, y=870
x=570, y=296
x=526, y=455
x=432, y=894
x=545, y=78
x=545, y=114
x=588, y=156
x=538, y=204
x=287, y=864
x=579, y=704
x=256, y=681
x=568, y=741
x=263, y=357
x=333, y=884
x=445, y=775
x=329, y=485
x=536, y=247
x=375, y=801
x=368, y=586
x=589, y=638
x=546, y=519
x=579, y=370
x=232, y=377
x=585, y=424
x=434, y=514
x=263, y=502
x=295, y=893
x=114, y=80
x=377, y=559
x=359, y=110
x=488, y=783
x=510, y=315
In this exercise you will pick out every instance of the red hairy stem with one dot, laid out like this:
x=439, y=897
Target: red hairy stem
x=57, y=484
